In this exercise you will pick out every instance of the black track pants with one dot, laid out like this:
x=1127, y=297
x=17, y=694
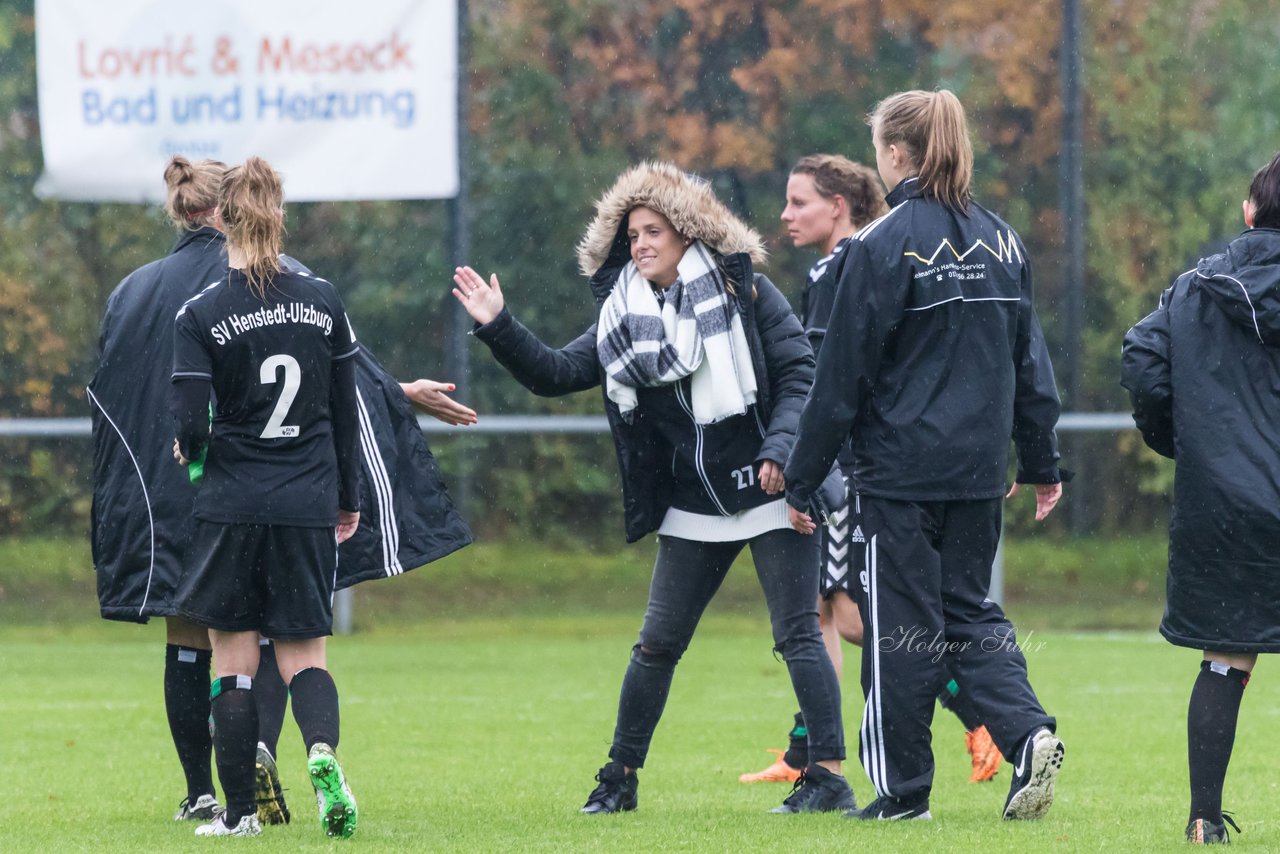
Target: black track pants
x=685, y=577
x=926, y=615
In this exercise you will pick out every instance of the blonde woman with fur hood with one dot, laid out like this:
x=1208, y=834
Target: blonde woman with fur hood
x=704, y=369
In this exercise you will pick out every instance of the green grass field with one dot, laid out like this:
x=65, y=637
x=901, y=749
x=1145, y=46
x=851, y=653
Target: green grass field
x=483, y=735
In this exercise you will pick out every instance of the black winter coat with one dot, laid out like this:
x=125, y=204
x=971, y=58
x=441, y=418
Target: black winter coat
x=781, y=358
x=932, y=360
x=142, y=499
x=1203, y=373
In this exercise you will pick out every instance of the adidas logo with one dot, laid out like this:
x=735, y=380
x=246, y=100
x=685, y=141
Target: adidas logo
x=857, y=536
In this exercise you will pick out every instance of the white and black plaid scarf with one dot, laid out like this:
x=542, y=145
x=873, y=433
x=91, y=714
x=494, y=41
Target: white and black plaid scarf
x=694, y=332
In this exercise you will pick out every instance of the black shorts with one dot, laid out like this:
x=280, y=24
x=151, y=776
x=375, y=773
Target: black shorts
x=273, y=579
x=843, y=550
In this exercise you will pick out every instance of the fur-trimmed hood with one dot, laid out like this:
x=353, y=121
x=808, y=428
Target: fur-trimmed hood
x=688, y=202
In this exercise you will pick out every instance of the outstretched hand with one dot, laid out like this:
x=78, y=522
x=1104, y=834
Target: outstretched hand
x=429, y=397
x=483, y=301
x=1047, y=495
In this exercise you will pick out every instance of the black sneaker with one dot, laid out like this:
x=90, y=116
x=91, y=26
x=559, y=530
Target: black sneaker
x=892, y=809
x=818, y=790
x=616, y=792
x=204, y=808
x=1039, y=760
x=1201, y=831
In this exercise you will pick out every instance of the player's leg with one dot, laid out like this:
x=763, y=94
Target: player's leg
x=843, y=548
x=686, y=574
x=984, y=756
x=315, y=695
x=846, y=619
x=187, y=661
x=787, y=767
x=901, y=670
x=787, y=565
x=272, y=697
x=1211, y=734
x=219, y=590
x=314, y=698
x=984, y=658
x=298, y=617
x=235, y=727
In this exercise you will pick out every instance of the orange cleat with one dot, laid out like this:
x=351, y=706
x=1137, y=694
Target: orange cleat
x=986, y=756
x=778, y=772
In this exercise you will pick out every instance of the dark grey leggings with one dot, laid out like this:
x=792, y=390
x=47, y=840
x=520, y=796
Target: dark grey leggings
x=685, y=577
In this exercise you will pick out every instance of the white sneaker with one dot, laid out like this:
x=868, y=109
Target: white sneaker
x=205, y=808
x=247, y=826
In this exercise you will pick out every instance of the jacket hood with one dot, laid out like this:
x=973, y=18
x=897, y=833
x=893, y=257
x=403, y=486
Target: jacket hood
x=1244, y=282
x=688, y=202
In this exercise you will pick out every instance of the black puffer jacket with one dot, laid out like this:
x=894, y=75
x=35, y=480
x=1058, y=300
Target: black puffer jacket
x=1203, y=372
x=142, y=499
x=781, y=358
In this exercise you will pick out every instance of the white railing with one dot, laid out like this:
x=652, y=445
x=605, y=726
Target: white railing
x=52, y=428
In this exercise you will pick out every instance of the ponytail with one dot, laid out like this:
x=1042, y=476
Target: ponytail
x=1264, y=193
x=250, y=200
x=192, y=191
x=931, y=128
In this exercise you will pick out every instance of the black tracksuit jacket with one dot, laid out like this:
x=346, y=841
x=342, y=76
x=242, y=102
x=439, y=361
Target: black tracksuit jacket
x=933, y=359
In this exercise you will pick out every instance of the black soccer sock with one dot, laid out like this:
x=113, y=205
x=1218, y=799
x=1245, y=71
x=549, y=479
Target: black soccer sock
x=235, y=741
x=271, y=695
x=315, y=706
x=797, y=755
x=950, y=698
x=1211, y=733
x=186, y=702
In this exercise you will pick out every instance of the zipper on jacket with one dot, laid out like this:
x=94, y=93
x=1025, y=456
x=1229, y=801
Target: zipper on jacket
x=698, y=463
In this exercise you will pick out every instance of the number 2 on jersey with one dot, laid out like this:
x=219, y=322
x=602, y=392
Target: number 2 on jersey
x=276, y=428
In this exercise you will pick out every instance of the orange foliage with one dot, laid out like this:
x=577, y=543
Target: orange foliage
x=31, y=352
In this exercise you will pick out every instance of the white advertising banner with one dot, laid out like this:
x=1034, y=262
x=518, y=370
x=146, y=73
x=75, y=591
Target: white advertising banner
x=348, y=100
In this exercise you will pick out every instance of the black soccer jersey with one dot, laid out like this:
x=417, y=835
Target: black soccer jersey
x=820, y=294
x=271, y=453
x=815, y=310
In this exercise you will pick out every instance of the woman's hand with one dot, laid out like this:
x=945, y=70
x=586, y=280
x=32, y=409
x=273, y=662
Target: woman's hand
x=482, y=301
x=771, y=480
x=800, y=521
x=429, y=396
x=348, y=521
x=177, y=454
x=1047, y=495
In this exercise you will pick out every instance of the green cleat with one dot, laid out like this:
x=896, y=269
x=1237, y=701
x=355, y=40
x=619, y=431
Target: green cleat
x=338, y=813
